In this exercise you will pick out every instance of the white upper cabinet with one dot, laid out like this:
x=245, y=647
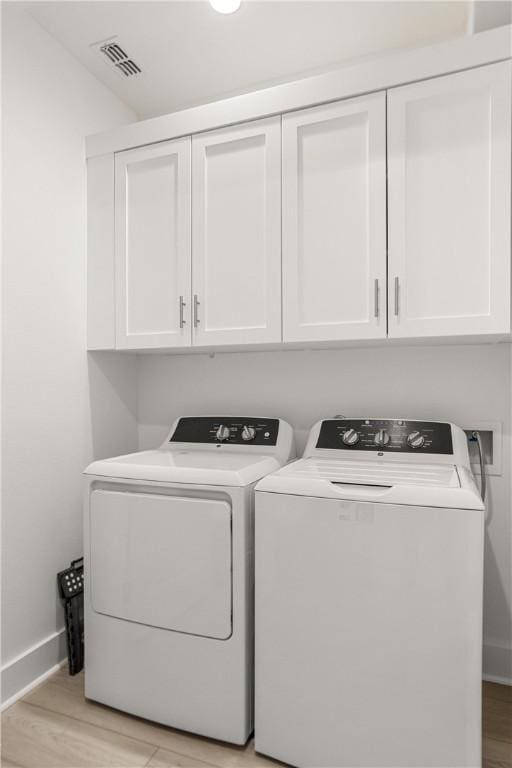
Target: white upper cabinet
x=449, y=167
x=152, y=213
x=334, y=221
x=236, y=234
x=392, y=211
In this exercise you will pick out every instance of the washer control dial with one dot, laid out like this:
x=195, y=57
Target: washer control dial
x=350, y=437
x=415, y=439
x=381, y=437
x=222, y=433
x=248, y=433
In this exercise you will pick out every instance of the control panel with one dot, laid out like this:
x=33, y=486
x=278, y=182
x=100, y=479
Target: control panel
x=246, y=430
x=386, y=435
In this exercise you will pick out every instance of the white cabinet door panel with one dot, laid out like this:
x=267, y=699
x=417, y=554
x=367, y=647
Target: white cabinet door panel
x=153, y=246
x=334, y=221
x=449, y=204
x=236, y=238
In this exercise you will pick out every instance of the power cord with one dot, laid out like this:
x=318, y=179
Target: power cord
x=483, y=481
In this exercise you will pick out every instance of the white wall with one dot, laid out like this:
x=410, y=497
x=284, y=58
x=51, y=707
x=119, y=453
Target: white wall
x=464, y=384
x=51, y=426
x=487, y=14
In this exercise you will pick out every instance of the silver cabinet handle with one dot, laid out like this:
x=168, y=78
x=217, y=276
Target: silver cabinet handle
x=376, y=299
x=196, y=312
x=183, y=304
x=397, y=292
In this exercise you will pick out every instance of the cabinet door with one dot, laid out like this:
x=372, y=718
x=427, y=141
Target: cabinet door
x=449, y=204
x=334, y=221
x=236, y=237
x=153, y=246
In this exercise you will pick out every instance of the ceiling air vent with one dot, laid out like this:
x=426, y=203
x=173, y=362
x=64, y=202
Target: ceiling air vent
x=114, y=54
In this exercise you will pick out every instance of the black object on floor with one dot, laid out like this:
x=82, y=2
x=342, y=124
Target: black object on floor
x=71, y=590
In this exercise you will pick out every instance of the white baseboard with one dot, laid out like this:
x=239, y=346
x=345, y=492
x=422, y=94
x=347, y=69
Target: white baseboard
x=24, y=672
x=20, y=694
x=497, y=679
x=497, y=664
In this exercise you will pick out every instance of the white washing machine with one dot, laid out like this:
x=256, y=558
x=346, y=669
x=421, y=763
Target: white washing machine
x=369, y=563
x=169, y=574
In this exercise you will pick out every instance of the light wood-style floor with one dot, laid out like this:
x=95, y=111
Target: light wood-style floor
x=54, y=726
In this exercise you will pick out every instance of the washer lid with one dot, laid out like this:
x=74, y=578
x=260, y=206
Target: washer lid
x=227, y=468
x=421, y=484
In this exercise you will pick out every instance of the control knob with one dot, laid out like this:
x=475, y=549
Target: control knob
x=222, y=433
x=350, y=437
x=415, y=439
x=381, y=437
x=248, y=433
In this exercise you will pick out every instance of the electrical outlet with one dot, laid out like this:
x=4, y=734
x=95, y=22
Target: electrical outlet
x=490, y=435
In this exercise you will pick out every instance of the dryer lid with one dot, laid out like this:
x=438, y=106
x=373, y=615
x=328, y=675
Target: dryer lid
x=226, y=468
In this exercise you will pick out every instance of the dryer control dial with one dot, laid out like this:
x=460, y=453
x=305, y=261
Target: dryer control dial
x=222, y=433
x=350, y=437
x=381, y=437
x=248, y=433
x=415, y=439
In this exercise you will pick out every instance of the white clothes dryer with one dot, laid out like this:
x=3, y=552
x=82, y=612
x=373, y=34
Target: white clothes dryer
x=369, y=570
x=169, y=574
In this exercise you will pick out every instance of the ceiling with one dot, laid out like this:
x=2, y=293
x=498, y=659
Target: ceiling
x=189, y=54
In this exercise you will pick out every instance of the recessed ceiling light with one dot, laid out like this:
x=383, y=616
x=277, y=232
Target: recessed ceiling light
x=225, y=6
